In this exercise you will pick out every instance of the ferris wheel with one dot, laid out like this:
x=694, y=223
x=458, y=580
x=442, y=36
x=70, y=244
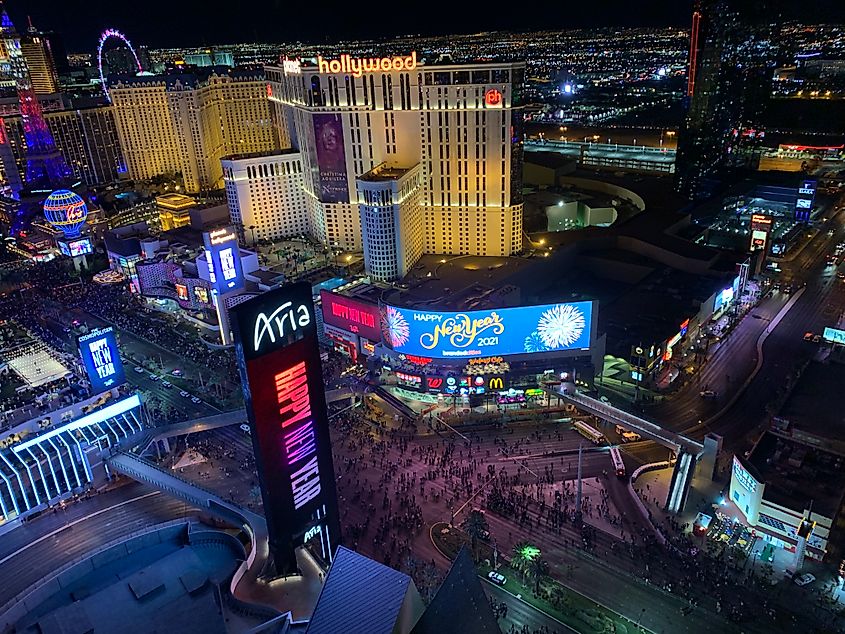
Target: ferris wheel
x=107, y=34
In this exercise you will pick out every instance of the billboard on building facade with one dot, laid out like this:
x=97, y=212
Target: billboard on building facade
x=101, y=359
x=331, y=158
x=224, y=259
x=503, y=331
x=276, y=345
x=351, y=315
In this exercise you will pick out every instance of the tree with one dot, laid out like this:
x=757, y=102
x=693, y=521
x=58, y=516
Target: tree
x=523, y=554
x=537, y=569
x=477, y=528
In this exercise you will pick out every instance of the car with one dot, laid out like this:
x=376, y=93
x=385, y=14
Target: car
x=184, y=394
x=804, y=580
x=496, y=578
x=176, y=372
x=707, y=394
x=153, y=377
x=484, y=536
x=630, y=436
x=604, y=399
x=817, y=338
x=138, y=369
x=167, y=384
x=195, y=399
x=808, y=336
x=245, y=428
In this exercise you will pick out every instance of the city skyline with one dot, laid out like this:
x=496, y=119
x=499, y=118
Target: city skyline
x=192, y=23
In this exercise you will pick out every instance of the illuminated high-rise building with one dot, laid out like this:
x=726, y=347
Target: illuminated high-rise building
x=38, y=54
x=429, y=153
x=185, y=123
x=732, y=54
x=45, y=167
x=86, y=138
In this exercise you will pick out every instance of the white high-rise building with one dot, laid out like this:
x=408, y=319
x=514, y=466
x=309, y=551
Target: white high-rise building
x=265, y=195
x=391, y=220
x=186, y=123
x=455, y=130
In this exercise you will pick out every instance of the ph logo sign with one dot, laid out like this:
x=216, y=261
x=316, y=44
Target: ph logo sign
x=493, y=98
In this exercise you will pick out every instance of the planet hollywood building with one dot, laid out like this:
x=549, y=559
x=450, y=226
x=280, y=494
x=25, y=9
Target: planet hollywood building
x=401, y=157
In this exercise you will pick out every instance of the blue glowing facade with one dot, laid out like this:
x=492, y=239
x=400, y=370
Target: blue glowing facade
x=45, y=167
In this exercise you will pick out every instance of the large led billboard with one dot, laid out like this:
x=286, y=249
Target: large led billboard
x=351, y=315
x=331, y=158
x=75, y=247
x=101, y=359
x=834, y=335
x=502, y=331
x=276, y=345
x=224, y=259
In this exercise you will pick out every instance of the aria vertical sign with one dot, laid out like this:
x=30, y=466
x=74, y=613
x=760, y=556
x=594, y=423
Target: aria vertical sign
x=276, y=344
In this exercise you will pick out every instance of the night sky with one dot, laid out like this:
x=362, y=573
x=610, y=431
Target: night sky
x=161, y=23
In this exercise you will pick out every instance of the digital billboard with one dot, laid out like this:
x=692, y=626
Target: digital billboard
x=498, y=332
x=761, y=227
x=101, y=359
x=224, y=259
x=834, y=335
x=804, y=201
x=279, y=362
x=331, y=158
x=351, y=315
x=76, y=247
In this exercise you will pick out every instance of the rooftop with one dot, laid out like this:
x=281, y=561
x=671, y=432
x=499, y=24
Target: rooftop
x=808, y=407
x=382, y=173
x=797, y=475
x=256, y=155
x=361, y=595
x=445, y=282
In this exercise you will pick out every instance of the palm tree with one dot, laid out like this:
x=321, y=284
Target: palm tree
x=477, y=528
x=523, y=554
x=537, y=568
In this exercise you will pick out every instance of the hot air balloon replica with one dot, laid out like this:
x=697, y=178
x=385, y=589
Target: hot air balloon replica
x=66, y=211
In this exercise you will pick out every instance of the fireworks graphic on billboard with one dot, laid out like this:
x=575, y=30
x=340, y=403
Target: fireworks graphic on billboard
x=534, y=343
x=561, y=326
x=395, y=327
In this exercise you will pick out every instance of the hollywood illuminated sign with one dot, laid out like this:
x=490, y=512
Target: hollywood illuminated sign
x=498, y=332
x=281, y=374
x=357, y=66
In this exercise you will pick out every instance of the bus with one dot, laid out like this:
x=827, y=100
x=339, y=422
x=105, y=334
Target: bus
x=618, y=465
x=591, y=434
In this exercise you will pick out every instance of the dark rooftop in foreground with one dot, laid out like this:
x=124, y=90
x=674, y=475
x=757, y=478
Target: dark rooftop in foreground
x=808, y=408
x=797, y=475
x=362, y=596
x=460, y=604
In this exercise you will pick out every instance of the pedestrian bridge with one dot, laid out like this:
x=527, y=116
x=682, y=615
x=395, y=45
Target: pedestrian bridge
x=149, y=435
x=687, y=451
x=676, y=442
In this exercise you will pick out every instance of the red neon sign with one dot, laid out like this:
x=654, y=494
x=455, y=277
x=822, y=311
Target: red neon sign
x=300, y=442
x=493, y=97
x=418, y=360
x=351, y=315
